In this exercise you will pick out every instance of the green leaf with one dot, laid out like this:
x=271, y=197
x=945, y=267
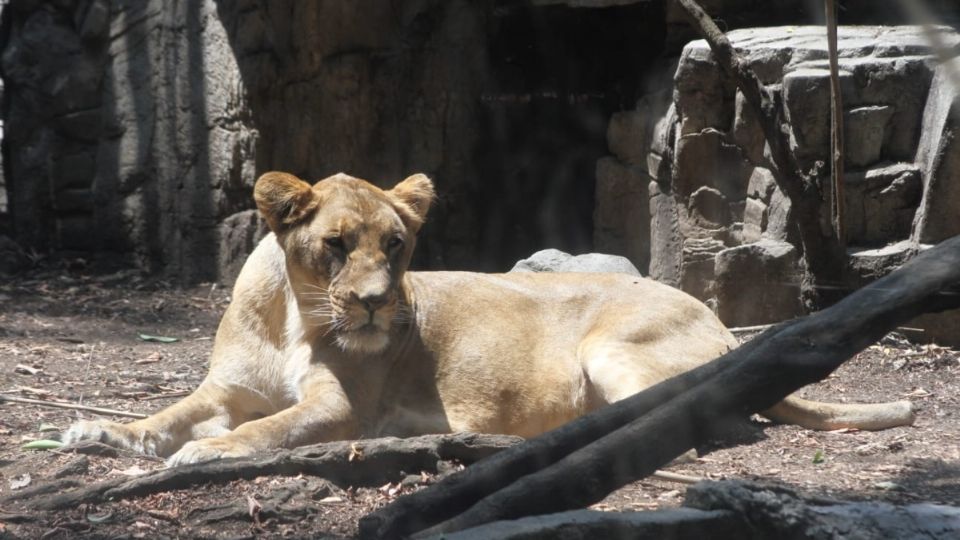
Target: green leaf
x=42, y=444
x=158, y=339
x=47, y=427
x=818, y=457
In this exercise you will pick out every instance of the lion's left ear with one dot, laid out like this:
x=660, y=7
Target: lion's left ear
x=417, y=193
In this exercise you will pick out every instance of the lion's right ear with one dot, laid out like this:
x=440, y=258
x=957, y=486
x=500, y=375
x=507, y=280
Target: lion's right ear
x=283, y=199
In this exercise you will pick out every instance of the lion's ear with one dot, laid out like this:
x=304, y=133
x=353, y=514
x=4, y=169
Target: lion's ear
x=417, y=193
x=283, y=199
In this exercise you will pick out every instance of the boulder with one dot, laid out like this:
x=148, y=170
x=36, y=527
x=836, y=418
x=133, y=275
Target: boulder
x=665, y=236
x=757, y=283
x=554, y=260
x=938, y=156
x=881, y=203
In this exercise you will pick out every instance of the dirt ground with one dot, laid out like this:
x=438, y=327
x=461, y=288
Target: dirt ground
x=70, y=337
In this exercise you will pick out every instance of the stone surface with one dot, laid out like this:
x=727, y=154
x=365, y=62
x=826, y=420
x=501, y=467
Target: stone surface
x=714, y=199
x=865, y=130
x=697, y=269
x=621, y=220
x=665, y=236
x=881, y=203
x=757, y=283
x=708, y=159
x=938, y=156
x=754, y=220
x=554, y=260
x=709, y=208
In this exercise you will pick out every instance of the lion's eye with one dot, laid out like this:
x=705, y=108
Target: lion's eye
x=394, y=243
x=334, y=242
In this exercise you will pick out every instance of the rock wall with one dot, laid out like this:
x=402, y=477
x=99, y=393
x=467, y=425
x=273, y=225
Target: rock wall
x=719, y=226
x=126, y=132
x=136, y=128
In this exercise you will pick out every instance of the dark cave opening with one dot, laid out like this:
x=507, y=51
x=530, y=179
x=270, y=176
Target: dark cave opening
x=559, y=73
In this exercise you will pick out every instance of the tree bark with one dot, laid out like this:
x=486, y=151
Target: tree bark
x=746, y=380
x=347, y=463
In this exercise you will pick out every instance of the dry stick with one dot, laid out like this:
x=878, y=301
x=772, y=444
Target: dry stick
x=836, y=124
x=58, y=405
x=799, y=353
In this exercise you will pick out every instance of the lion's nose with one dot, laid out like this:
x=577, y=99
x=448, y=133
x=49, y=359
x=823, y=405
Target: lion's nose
x=373, y=301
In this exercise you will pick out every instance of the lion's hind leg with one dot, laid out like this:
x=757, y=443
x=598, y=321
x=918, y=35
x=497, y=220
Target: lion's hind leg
x=617, y=369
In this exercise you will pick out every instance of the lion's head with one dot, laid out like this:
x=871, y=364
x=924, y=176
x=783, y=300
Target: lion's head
x=347, y=244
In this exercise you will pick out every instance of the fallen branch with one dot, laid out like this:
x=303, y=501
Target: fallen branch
x=59, y=405
x=664, y=421
x=346, y=463
x=734, y=509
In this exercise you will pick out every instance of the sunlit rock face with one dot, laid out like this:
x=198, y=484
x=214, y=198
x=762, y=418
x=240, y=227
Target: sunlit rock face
x=721, y=229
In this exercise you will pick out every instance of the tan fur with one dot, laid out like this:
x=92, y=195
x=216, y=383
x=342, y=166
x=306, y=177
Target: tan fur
x=328, y=337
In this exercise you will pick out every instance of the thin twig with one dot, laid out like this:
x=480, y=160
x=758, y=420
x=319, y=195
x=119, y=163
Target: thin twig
x=677, y=477
x=836, y=123
x=59, y=405
x=180, y=393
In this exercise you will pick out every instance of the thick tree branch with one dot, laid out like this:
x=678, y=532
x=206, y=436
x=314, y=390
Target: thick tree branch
x=749, y=379
x=347, y=463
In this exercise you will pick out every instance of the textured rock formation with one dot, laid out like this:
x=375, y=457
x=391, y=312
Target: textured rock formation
x=138, y=127
x=720, y=227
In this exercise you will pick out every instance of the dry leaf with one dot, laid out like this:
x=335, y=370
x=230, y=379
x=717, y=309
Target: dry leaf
x=331, y=499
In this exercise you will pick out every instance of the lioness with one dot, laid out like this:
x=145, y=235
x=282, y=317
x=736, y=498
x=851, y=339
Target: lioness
x=328, y=337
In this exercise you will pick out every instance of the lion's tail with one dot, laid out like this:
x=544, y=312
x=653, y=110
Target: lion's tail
x=829, y=416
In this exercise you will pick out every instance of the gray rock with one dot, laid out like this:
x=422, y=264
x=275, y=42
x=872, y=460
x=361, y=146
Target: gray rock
x=757, y=283
x=709, y=208
x=871, y=264
x=865, y=130
x=754, y=220
x=881, y=203
x=761, y=184
x=665, y=236
x=239, y=234
x=708, y=159
x=622, y=212
x=746, y=130
x=554, y=260
x=697, y=268
x=938, y=155
x=628, y=134
x=780, y=224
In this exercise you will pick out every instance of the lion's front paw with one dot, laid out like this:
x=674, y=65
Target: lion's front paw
x=207, y=450
x=113, y=434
